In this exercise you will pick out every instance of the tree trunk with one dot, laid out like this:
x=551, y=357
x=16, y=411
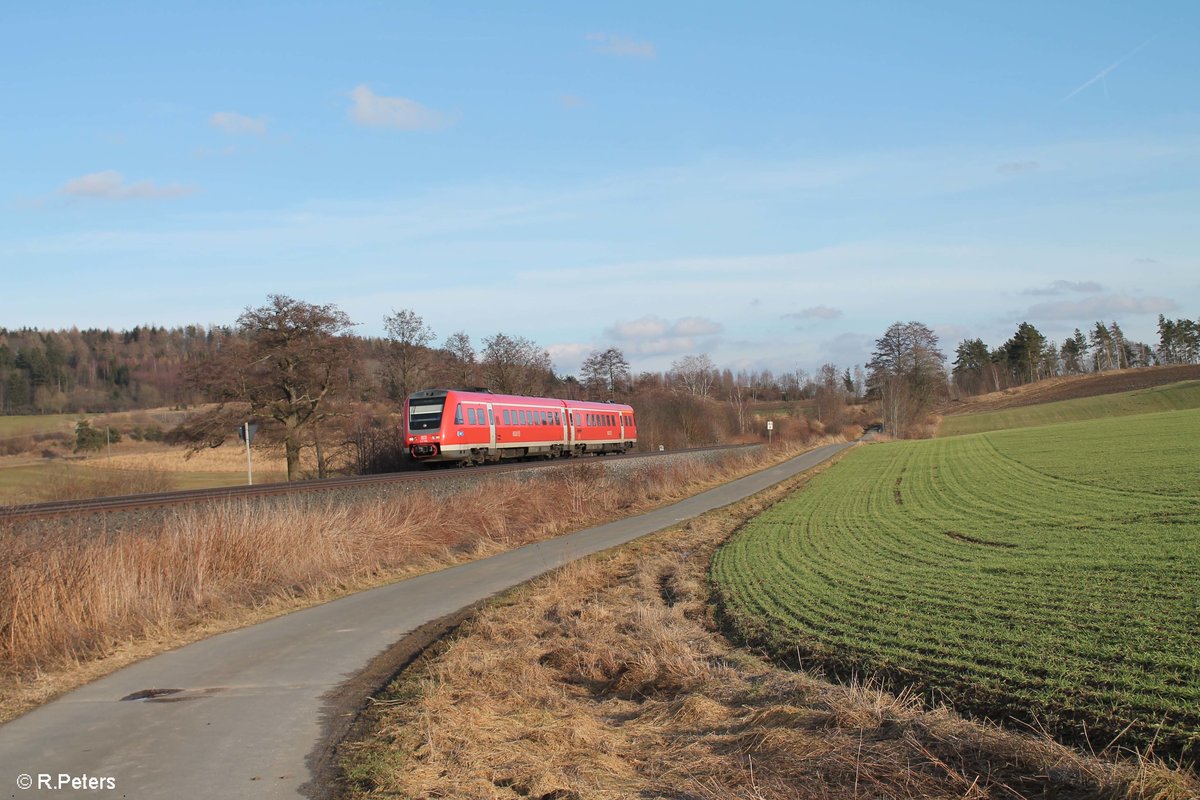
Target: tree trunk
x=292, y=447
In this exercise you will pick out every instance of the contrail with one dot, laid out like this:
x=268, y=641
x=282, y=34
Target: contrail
x=1104, y=72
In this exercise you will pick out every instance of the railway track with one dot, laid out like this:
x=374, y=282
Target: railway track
x=182, y=497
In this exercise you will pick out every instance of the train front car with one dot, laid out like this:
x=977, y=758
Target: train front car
x=423, y=412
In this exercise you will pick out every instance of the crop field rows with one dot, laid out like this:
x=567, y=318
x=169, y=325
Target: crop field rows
x=1049, y=575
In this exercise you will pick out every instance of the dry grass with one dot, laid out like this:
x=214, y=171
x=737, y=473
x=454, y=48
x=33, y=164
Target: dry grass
x=71, y=600
x=607, y=680
x=66, y=482
x=164, y=458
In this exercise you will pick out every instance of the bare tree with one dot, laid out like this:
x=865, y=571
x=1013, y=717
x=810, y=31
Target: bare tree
x=606, y=371
x=905, y=373
x=516, y=365
x=831, y=399
x=459, y=365
x=286, y=365
x=696, y=374
x=408, y=355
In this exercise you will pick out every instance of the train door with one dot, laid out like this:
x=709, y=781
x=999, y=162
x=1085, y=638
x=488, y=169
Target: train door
x=491, y=418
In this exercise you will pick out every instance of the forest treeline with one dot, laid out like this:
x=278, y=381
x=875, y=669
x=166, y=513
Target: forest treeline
x=301, y=371
x=1030, y=356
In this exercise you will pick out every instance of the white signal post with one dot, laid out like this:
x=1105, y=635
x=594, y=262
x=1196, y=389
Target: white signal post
x=770, y=430
x=249, y=470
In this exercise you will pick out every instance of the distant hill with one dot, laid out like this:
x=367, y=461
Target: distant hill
x=1123, y=393
x=1070, y=387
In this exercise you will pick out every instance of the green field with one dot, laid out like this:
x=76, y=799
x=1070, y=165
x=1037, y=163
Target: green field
x=1171, y=397
x=25, y=425
x=1046, y=574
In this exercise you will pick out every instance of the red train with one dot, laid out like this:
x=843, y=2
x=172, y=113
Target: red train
x=476, y=426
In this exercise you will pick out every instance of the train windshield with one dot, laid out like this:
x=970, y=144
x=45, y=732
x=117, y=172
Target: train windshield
x=425, y=415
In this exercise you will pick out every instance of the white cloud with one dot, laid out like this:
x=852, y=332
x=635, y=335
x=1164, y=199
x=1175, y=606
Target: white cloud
x=568, y=356
x=695, y=326
x=620, y=46
x=815, y=312
x=653, y=335
x=111, y=185
x=1101, y=306
x=847, y=349
x=1062, y=287
x=377, y=111
x=229, y=122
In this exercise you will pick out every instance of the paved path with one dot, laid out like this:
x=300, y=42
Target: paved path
x=248, y=711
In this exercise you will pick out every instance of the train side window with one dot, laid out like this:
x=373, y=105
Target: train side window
x=545, y=420
x=506, y=419
x=458, y=417
x=557, y=419
x=491, y=417
x=471, y=415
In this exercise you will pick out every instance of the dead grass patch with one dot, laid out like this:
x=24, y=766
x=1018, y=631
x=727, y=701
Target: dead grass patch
x=608, y=680
x=163, y=458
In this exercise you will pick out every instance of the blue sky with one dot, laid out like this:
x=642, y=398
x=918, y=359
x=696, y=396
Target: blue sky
x=772, y=184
